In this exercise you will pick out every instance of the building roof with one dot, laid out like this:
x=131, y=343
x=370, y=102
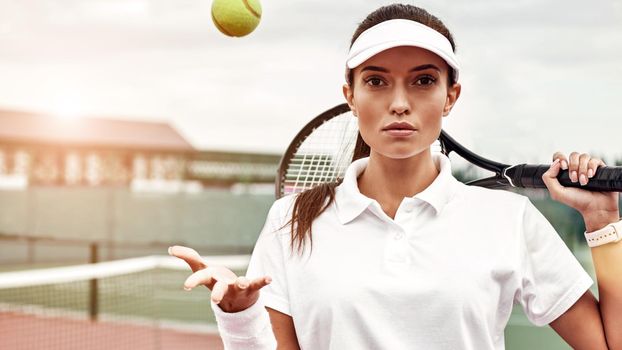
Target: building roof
x=26, y=127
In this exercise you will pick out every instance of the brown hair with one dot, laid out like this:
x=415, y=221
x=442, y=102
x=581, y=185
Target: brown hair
x=312, y=203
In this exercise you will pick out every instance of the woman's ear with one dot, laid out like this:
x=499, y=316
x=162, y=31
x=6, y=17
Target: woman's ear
x=453, y=92
x=349, y=95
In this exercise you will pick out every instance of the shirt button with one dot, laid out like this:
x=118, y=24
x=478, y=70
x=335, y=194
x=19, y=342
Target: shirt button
x=409, y=207
x=398, y=236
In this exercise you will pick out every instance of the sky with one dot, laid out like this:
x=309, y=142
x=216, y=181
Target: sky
x=537, y=76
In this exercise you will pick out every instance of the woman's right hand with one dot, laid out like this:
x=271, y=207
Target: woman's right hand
x=230, y=292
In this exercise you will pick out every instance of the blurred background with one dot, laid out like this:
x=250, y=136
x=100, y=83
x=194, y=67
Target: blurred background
x=127, y=126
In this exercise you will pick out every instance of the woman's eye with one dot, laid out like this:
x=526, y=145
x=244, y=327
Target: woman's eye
x=425, y=81
x=374, y=82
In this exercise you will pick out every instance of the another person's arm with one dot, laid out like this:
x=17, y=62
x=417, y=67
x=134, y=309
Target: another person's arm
x=591, y=323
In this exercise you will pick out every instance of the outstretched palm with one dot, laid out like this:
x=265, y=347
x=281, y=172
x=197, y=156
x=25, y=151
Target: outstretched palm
x=231, y=292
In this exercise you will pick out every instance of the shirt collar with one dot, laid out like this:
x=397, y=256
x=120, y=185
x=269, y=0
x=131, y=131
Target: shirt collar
x=351, y=202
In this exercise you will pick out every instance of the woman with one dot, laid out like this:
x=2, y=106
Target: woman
x=400, y=255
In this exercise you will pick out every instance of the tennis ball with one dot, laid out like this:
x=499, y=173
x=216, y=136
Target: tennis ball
x=236, y=17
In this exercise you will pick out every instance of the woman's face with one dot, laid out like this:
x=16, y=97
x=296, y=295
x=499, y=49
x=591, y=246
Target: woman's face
x=400, y=96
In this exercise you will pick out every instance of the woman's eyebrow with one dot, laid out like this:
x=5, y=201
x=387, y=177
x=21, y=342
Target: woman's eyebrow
x=375, y=68
x=424, y=66
x=414, y=69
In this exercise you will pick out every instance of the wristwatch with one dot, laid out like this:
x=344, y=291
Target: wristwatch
x=609, y=234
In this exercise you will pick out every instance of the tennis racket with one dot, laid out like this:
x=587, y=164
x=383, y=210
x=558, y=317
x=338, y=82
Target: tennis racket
x=324, y=148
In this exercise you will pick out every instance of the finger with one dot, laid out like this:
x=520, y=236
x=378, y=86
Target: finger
x=595, y=163
x=259, y=283
x=592, y=166
x=219, y=291
x=562, y=158
x=204, y=276
x=584, y=160
x=550, y=179
x=242, y=283
x=573, y=166
x=189, y=255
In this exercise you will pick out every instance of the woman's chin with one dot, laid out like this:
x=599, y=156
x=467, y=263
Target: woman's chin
x=401, y=153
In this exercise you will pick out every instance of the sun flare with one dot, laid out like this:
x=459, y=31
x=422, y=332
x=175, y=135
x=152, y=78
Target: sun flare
x=67, y=107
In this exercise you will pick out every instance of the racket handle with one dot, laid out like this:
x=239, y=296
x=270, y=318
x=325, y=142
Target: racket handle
x=608, y=178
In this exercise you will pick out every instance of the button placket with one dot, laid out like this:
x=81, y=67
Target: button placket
x=398, y=250
x=397, y=231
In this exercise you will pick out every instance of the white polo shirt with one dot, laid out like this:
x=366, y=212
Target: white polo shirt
x=443, y=274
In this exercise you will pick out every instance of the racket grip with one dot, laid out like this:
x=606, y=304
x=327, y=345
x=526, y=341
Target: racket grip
x=607, y=178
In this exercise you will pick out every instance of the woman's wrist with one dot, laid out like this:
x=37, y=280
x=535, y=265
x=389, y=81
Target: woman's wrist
x=246, y=329
x=596, y=220
x=244, y=323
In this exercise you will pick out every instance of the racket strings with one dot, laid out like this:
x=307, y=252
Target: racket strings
x=323, y=156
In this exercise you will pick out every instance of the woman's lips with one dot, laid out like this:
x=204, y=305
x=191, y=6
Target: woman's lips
x=399, y=132
x=400, y=129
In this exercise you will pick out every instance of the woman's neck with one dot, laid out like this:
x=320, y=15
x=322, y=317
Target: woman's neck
x=388, y=180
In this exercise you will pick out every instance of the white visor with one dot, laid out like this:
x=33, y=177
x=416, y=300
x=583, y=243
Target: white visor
x=400, y=32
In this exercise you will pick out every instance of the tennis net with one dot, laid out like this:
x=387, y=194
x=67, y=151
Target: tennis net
x=134, y=304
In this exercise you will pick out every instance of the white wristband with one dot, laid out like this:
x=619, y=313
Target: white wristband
x=609, y=234
x=247, y=329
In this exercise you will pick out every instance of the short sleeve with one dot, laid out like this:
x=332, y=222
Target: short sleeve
x=552, y=279
x=267, y=259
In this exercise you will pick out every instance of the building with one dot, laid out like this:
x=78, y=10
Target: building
x=41, y=150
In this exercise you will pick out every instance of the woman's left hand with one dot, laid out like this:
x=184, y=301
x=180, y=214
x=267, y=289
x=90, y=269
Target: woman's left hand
x=581, y=168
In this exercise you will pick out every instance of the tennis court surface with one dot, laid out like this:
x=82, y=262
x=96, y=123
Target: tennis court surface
x=126, y=304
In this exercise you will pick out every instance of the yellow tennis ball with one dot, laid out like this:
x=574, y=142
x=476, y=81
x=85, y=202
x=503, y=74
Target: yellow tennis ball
x=236, y=17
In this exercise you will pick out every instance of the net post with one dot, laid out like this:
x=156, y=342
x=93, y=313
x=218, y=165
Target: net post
x=93, y=290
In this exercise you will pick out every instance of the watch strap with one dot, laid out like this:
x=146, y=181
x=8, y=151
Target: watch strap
x=608, y=234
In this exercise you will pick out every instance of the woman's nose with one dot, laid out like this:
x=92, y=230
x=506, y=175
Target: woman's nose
x=400, y=103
